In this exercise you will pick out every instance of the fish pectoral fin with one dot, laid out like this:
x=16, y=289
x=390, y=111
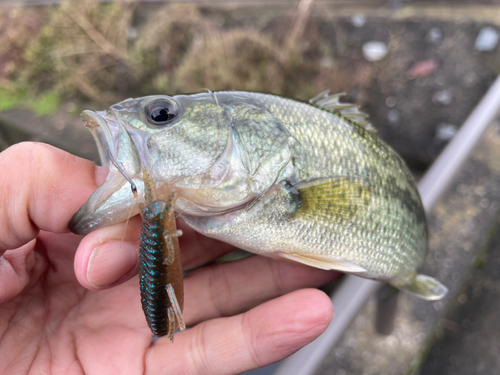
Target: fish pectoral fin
x=333, y=196
x=425, y=287
x=323, y=262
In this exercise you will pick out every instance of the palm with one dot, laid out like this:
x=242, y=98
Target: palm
x=61, y=325
x=64, y=326
x=50, y=322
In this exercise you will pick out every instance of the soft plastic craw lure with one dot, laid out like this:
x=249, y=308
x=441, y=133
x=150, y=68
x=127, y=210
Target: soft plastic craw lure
x=160, y=269
x=162, y=295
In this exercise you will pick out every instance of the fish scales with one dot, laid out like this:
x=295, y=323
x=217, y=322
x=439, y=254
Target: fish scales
x=307, y=182
x=343, y=140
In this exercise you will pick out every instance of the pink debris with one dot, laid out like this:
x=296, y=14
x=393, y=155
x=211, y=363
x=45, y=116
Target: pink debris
x=423, y=68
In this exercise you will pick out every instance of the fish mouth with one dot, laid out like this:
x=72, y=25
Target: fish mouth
x=113, y=201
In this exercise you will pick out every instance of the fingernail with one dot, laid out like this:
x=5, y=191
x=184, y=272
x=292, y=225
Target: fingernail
x=101, y=173
x=109, y=262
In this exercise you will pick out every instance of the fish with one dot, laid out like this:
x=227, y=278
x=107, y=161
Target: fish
x=308, y=182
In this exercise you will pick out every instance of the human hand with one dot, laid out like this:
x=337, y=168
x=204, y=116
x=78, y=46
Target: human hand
x=64, y=310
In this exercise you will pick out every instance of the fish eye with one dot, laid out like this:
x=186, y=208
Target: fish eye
x=161, y=111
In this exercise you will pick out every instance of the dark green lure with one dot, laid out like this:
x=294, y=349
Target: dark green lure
x=157, y=252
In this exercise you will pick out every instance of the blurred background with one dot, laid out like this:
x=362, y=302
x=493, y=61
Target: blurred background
x=418, y=68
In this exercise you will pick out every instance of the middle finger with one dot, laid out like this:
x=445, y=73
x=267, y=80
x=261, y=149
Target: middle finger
x=231, y=288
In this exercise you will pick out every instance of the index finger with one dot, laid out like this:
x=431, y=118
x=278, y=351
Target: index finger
x=40, y=189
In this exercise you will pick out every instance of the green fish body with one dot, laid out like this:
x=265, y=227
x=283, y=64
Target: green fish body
x=308, y=182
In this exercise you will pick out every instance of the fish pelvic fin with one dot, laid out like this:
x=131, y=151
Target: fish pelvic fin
x=425, y=287
x=327, y=198
x=322, y=262
x=350, y=111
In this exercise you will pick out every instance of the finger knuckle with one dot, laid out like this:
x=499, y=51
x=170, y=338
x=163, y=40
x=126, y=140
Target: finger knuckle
x=26, y=157
x=17, y=167
x=27, y=150
x=222, y=292
x=198, y=351
x=253, y=342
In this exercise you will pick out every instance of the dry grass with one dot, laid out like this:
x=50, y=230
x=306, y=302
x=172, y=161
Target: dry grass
x=89, y=52
x=242, y=59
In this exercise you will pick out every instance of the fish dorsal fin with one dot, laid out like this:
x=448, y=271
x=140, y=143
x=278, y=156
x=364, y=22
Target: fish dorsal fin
x=333, y=197
x=323, y=262
x=350, y=111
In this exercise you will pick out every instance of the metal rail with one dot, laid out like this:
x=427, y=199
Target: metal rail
x=347, y=301
x=444, y=168
x=354, y=291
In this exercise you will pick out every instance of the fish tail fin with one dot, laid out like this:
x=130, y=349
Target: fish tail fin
x=425, y=287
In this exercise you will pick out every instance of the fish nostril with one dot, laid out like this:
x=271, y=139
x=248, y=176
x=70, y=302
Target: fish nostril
x=152, y=146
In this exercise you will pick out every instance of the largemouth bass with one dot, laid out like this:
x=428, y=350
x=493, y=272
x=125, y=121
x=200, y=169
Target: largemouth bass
x=307, y=182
